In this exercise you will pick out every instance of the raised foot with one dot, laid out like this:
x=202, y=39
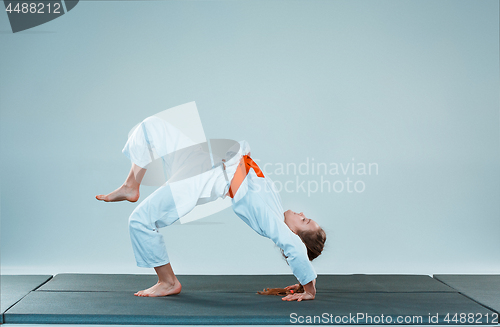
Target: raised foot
x=161, y=289
x=121, y=194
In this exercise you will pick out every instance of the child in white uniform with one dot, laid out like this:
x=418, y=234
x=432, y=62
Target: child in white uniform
x=193, y=180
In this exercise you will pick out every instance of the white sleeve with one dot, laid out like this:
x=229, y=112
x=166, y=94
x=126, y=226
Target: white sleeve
x=263, y=212
x=294, y=249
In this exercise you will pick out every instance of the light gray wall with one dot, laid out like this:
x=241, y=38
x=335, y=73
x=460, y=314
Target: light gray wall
x=411, y=86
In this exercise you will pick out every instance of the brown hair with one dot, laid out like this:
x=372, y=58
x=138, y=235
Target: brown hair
x=282, y=291
x=314, y=241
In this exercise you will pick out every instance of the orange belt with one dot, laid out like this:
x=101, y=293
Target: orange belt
x=241, y=172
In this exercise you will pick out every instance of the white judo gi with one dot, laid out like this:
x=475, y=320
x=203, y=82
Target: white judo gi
x=192, y=179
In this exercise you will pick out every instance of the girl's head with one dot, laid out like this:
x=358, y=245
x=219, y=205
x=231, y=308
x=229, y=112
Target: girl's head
x=308, y=230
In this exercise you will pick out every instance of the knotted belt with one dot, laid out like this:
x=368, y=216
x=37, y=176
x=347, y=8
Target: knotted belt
x=241, y=172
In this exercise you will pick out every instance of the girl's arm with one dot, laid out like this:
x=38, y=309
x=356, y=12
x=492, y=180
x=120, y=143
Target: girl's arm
x=310, y=287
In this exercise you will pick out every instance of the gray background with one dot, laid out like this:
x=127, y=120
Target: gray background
x=409, y=85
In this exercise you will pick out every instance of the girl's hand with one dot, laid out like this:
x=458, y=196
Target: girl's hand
x=292, y=287
x=298, y=297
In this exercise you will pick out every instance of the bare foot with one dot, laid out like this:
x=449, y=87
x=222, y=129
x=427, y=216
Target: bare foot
x=161, y=289
x=120, y=194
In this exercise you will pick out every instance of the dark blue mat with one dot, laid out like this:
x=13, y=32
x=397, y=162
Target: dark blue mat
x=247, y=283
x=191, y=307
x=484, y=289
x=14, y=287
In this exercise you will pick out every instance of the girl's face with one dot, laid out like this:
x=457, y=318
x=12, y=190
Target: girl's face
x=299, y=222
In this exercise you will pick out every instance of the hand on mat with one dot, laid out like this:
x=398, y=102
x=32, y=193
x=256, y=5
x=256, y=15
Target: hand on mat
x=293, y=287
x=298, y=297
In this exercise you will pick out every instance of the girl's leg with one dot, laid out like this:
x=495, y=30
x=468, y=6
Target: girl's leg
x=167, y=284
x=152, y=133
x=157, y=210
x=129, y=190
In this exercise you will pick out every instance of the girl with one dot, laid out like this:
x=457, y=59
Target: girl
x=193, y=180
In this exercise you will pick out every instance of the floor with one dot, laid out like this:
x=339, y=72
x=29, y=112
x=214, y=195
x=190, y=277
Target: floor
x=107, y=299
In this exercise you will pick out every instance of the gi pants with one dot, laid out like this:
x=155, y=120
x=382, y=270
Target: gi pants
x=192, y=179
